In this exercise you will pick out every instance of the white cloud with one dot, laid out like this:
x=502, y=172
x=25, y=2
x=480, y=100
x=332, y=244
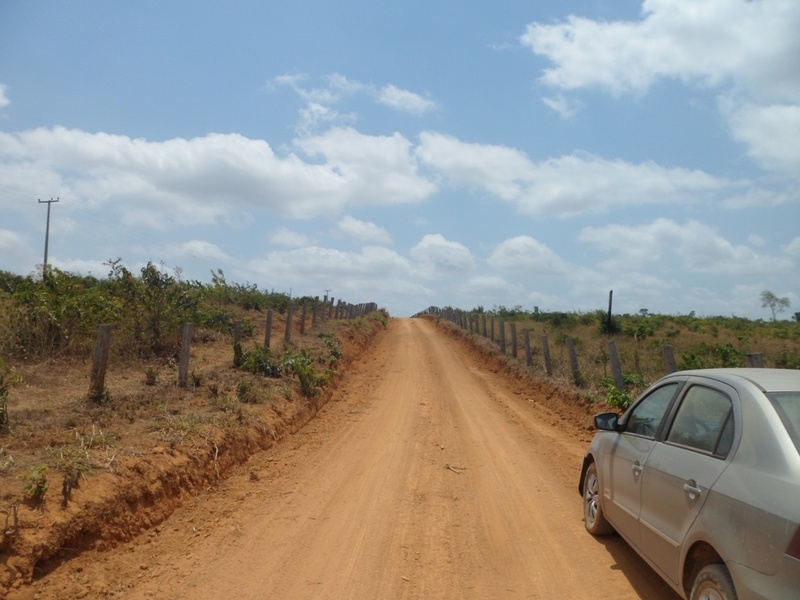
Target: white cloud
x=184, y=182
x=199, y=249
x=751, y=44
x=356, y=276
x=569, y=185
x=793, y=248
x=404, y=100
x=338, y=86
x=439, y=257
x=319, y=101
x=477, y=288
x=377, y=170
x=566, y=107
x=746, y=49
x=364, y=232
x=699, y=247
x=80, y=266
x=4, y=101
x=289, y=238
x=770, y=132
x=526, y=255
x=15, y=250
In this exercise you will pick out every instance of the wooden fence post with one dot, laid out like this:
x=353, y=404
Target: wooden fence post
x=492, y=328
x=670, y=366
x=526, y=334
x=483, y=323
x=754, y=360
x=100, y=363
x=573, y=361
x=548, y=366
x=513, y=339
x=183, y=363
x=287, y=335
x=237, y=332
x=303, y=319
x=314, y=313
x=502, y=325
x=616, y=365
x=268, y=333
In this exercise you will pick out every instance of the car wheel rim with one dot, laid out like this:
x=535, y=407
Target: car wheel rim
x=710, y=594
x=590, y=499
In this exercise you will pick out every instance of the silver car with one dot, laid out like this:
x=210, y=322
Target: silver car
x=701, y=476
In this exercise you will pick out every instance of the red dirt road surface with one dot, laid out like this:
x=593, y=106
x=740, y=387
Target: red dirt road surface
x=427, y=475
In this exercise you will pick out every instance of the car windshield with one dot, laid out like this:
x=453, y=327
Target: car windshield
x=787, y=405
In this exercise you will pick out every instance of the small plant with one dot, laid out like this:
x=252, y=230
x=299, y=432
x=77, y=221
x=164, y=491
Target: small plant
x=238, y=355
x=150, y=376
x=616, y=398
x=37, y=485
x=197, y=379
x=334, y=345
x=380, y=317
x=71, y=480
x=259, y=361
x=245, y=392
x=302, y=365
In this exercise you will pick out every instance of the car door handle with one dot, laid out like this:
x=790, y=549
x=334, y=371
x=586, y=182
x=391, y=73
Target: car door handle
x=637, y=469
x=691, y=489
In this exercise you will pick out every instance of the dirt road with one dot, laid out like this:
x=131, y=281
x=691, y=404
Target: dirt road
x=427, y=476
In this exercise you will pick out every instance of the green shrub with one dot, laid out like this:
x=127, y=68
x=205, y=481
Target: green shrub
x=616, y=398
x=302, y=365
x=259, y=361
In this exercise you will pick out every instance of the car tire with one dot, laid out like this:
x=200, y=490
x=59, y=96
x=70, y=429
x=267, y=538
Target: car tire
x=713, y=582
x=593, y=516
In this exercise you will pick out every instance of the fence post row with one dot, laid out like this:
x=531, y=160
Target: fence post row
x=103, y=342
x=477, y=324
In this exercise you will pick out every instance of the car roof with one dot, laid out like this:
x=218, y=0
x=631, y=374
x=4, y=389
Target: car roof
x=769, y=380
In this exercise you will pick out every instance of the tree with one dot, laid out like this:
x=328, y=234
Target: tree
x=775, y=304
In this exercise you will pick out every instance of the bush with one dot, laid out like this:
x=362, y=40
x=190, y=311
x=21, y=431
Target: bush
x=259, y=361
x=302, y=365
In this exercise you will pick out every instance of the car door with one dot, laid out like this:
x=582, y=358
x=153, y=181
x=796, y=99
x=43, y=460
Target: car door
x=680, y=472
x=628, y=455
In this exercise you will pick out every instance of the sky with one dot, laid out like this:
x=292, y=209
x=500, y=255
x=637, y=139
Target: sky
x=459, y=153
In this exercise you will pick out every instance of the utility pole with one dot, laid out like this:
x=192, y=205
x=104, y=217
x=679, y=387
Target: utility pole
x=47, y=234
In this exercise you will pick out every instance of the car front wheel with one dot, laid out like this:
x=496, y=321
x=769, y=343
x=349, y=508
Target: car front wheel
x=593, y=517
x=713, y=583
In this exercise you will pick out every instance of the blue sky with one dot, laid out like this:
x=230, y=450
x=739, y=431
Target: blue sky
x=414, y=153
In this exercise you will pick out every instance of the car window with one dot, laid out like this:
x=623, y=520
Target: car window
x=787, y=404
x=645, y=418
x=704, y=421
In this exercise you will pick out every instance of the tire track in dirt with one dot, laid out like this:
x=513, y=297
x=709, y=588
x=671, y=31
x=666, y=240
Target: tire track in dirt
x=361, y=504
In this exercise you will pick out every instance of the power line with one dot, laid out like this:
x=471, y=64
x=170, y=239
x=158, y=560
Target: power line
x=47, y=234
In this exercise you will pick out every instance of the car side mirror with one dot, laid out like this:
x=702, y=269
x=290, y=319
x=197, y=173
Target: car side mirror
x=607, y=421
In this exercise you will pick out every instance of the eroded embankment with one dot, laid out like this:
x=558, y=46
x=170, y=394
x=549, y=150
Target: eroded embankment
x=143, y=491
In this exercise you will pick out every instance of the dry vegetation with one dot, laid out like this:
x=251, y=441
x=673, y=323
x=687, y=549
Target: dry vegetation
x=696, y=342
x=78, y=473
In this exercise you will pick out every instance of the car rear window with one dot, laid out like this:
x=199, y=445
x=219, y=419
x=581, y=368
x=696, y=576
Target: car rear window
x=787, y=405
